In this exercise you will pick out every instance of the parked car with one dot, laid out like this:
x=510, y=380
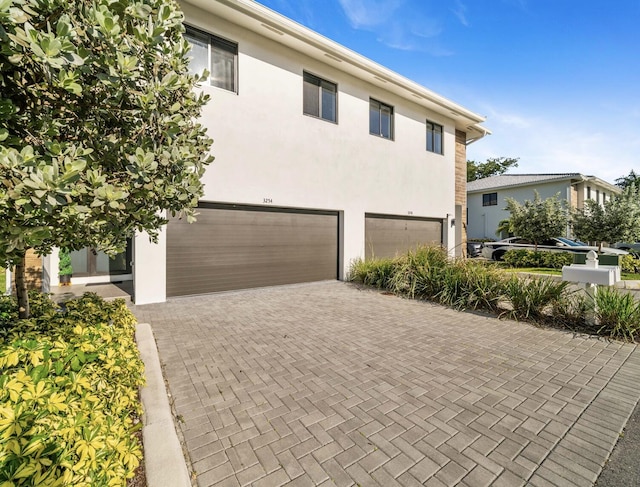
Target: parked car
x=496, y=250
x=474, y=249
x=633, y=248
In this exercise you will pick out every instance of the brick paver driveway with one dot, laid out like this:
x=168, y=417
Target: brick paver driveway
x=325, y=384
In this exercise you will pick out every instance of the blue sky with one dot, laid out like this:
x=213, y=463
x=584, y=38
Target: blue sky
x=558, y=80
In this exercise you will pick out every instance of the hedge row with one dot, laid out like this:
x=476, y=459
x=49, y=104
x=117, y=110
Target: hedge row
x=69, y=404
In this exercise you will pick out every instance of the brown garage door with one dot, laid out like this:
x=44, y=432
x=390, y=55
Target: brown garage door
x=388, y=235
x=237, y=247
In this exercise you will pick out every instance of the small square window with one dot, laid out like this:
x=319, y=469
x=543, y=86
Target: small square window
x=434, y=138
x=380, y=119
x=320, y=98
x=490, y=199
x=218, y=55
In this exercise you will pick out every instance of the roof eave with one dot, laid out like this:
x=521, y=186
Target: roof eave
x=518, y=185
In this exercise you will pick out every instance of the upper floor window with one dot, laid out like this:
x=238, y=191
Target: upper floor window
x=320, y=98
x=218, y=55
x=380, y=119
x=434, y=137
x=490, y=199
x=588, y=192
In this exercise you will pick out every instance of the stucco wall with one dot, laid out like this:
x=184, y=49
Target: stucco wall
x=483, y=220
x=268, y=152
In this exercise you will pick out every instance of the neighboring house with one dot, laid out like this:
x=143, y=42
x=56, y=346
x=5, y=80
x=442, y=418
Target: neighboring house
x=321, y=157
x=486, y=197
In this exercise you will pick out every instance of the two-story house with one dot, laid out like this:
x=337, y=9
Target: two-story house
x=321, y=157
x=486, y=197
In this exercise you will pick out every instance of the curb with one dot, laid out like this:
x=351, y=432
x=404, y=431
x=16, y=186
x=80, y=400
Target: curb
x=164, y=462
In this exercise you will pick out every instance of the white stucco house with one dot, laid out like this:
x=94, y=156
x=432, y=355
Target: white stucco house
x=321, y=157
x=486, y=206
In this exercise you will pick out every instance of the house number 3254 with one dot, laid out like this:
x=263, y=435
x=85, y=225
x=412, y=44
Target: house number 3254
x=267, y=200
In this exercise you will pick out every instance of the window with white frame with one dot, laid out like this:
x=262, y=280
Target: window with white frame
x=434, y=138
x=215, y=54
x=380, y=119
x=320, y=98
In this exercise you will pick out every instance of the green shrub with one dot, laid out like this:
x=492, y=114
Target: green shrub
x=572, y=310
x=520, y=258
x=428, y=273
x=69, y=395
x=64, y=264
x=617, y=313
x=556, y=260
x=414, y=267
x=530, y=298
x=373, y=272
x=630, y=264
x=467, y=285
x=8, y=311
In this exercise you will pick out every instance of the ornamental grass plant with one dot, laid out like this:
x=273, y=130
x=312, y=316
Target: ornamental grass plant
x=617, y=314
x=69, y=404
x=428, y=273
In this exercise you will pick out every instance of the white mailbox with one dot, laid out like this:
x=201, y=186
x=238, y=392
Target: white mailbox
x=591, y=272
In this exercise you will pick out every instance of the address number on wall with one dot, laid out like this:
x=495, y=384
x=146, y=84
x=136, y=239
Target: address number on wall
x=267, y=200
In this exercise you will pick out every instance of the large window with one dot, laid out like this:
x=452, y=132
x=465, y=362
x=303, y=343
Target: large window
x=217, y=55
x=490, y=199
x=434, y=137
x=320, y=98
x=380, y=119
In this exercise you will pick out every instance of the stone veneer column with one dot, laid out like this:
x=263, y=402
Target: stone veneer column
x=461, y=188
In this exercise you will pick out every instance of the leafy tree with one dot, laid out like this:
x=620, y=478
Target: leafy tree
x=626, y=181
x=538, y=220
x=98, y=125
x=492, y=167
x=618, y=219
x=504, y=226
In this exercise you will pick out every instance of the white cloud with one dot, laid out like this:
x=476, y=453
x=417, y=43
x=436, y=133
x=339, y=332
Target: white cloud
x=460, y=11
x=548, y=145
x=302, y=11
x=400, y=24
x=369, y=13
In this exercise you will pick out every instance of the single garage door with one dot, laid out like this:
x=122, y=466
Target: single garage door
x=237, y=247
x=388, y=235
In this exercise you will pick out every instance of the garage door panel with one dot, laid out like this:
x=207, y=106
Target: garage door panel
x=388, y=236
x=229, y=249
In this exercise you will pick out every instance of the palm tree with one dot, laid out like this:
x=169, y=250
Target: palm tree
x=504, y=227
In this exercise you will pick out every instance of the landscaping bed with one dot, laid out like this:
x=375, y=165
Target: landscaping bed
x=428, y=273
x=69, y=405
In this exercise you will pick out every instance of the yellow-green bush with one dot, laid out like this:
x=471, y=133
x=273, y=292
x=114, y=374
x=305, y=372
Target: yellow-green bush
x=630, y=264
x=69, y=403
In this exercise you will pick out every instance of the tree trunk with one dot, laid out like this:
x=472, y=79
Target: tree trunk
x=21, y=289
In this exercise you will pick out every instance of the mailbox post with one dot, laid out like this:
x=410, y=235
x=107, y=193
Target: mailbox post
x=591, y=274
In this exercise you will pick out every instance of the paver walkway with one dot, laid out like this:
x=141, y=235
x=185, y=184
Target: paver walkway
x=326, y=384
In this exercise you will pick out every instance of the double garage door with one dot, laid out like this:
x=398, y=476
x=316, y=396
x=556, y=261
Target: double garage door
x=390, y=235
x=237, y=247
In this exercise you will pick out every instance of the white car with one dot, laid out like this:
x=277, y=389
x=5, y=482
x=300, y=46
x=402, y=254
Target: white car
x=496, y=250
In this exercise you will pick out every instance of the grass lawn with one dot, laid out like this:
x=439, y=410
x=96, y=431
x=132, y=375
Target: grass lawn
x=558, y=272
